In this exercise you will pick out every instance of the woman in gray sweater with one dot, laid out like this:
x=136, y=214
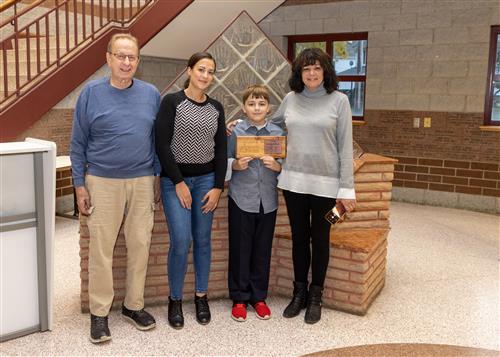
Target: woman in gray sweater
x=317, y=173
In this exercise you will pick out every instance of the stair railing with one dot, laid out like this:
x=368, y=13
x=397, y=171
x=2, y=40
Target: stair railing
x=52, y=31
x=8, y=3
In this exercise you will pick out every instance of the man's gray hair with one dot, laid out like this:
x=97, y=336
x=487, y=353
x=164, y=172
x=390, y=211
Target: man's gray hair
x=119, y=36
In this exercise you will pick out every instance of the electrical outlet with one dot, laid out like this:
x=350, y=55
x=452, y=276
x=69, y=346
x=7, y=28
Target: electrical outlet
x=427, y=122
x=416, y=122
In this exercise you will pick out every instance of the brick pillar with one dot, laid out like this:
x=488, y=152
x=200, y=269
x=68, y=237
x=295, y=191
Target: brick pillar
x=358, y=249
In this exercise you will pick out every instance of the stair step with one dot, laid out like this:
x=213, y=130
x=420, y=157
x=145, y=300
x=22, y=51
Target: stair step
x=22, y=80
x=12, y=82
x=22, y=53
x=22, y=43
x=23, y=68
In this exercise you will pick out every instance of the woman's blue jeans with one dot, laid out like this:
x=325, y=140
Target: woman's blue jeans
x=185, y=226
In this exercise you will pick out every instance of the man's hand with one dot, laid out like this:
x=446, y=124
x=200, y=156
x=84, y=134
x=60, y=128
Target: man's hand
x=271, y=163
x=242, y=163
x=211, y=200
x=83, y=200
x=157, y=189
x=184, y=195
x=349, y=204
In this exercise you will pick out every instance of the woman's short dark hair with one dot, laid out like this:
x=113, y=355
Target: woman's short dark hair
x=308, y=57
x=193, y=60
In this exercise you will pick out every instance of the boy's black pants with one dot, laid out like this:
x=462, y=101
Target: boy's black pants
x=250, y=244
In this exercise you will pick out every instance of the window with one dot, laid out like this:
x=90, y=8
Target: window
x=492, y=104
x=348, y=52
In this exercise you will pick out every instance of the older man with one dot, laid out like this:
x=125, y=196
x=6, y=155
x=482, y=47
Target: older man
x=113, y=163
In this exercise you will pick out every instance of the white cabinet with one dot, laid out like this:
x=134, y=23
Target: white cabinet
x=27, y=218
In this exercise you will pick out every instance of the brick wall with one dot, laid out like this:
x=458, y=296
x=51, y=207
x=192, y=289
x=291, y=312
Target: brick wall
x=53, y=126
x=64, y=182
x=425, y=59
x=357, y=269
x=64, y=191
x=448, y=175
x=453, y=155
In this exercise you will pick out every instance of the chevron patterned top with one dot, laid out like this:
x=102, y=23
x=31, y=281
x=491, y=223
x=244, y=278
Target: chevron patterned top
x=194, y=130
x=191, y=138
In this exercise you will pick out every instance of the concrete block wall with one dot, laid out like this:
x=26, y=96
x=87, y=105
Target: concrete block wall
x=159, y=71
x=356, y=272
x=426, y=58
x=410, y=41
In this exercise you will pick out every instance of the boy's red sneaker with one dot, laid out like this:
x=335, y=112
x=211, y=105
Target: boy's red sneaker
x=239, y=312
x=262, y=310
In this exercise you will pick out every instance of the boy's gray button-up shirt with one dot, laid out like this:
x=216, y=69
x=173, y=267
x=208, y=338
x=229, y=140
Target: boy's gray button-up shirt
x=248, y=188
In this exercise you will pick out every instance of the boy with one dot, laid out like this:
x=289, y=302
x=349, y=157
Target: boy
x=253, y=202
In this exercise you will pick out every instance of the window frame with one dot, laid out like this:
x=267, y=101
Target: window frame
x=329, y=38
x=488, y=104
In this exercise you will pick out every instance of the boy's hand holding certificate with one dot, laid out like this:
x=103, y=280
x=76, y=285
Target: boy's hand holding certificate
x=258, y=146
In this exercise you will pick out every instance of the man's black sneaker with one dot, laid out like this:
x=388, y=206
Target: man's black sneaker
x=139, y=318
x=99, y=331
x=202, y=310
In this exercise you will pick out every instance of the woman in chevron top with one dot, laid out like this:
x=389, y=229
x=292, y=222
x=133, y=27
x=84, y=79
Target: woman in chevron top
x=191, y=146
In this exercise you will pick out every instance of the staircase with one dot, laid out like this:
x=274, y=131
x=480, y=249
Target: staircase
x=49, y=47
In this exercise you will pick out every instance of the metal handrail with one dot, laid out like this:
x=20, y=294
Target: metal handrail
x=7, y=4
x=22, y=12
x=63, y=29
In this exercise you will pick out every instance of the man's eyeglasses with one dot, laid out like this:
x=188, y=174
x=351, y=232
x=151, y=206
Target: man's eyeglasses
x=121, y=57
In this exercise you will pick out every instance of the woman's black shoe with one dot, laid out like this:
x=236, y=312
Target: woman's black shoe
x=175, y=316
x=203, y=315
x=313, y=311
x=299, y=300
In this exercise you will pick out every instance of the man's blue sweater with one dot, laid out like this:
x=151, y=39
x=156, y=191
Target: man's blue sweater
x=113, y=131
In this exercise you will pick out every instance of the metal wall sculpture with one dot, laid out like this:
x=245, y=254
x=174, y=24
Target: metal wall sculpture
x=244, y=56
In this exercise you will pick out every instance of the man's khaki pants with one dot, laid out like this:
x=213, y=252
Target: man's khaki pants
x=112, y=198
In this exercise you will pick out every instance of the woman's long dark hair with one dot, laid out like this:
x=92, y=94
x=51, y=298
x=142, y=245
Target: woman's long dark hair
x=308, y=57
x=193, y=60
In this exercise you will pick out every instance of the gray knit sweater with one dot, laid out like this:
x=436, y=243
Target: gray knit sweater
x=319, y=146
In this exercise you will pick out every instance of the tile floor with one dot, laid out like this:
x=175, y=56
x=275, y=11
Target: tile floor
x=442, y=287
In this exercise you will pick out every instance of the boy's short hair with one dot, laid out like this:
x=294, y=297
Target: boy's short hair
x=256, y=91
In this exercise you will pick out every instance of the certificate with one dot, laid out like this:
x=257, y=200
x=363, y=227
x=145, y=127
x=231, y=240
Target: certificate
x=258, y=146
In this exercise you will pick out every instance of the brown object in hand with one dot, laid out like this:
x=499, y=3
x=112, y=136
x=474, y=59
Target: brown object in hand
x=336, y=214
x=258, y=146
